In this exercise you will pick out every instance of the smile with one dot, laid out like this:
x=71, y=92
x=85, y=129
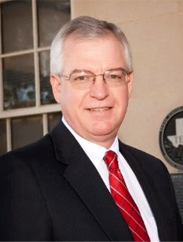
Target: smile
x=99, y=109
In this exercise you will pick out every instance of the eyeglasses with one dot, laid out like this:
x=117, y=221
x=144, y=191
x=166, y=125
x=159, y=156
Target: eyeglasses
x=83, y=79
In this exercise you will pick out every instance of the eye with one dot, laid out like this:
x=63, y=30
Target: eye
x=114, y=76
x=80, y=78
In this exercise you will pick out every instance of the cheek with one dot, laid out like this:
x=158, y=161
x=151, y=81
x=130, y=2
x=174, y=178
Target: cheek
x=122, y=103
x=122, y=97
x=65, y=99
x=70, y=100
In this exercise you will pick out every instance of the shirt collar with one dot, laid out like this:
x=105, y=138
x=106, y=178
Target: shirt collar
x=94, y=151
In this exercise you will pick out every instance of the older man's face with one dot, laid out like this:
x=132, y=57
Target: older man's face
x=95, y=113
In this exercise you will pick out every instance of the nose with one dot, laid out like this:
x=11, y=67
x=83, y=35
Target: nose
x=99, y=89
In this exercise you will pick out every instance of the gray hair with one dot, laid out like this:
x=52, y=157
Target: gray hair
x=86, y=28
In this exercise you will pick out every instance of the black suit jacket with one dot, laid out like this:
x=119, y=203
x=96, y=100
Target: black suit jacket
x=50, y=190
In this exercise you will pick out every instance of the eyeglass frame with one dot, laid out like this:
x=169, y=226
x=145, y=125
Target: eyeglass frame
x=95, y=75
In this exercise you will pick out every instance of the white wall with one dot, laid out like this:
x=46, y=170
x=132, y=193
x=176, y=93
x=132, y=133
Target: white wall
x=155, y=31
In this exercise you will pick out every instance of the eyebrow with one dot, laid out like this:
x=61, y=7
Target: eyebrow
x=84, y=70
x=78, y=70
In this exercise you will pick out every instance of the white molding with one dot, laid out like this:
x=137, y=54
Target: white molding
x=51, y=108
x=45, y=123
x=36, y=57
x=24, y=52
x=8, y=134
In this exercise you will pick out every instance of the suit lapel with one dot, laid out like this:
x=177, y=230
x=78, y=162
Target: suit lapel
x=146, y=184
x=87, y=183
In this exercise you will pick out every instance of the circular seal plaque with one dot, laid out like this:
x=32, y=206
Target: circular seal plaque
x=171, y=137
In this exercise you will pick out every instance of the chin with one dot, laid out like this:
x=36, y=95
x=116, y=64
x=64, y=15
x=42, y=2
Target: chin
x=103, y=131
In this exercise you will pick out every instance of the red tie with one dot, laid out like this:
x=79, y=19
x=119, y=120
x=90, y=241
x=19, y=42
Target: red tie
x=124, y=200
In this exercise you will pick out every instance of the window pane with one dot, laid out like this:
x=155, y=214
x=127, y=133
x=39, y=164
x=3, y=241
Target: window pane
x=16, y=26
x=52, y=14
x=46, y=91
x=53, y=119
x=18, y=76
x=26, y=130
x=3, y=147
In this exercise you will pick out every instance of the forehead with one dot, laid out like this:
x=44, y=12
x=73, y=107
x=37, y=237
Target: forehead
x=104, y=52
x=75, y=39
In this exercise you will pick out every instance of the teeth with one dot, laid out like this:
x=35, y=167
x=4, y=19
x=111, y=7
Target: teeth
x=99, y=109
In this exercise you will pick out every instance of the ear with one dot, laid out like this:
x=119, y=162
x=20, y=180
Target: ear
x=56, y=87
x=130, y=82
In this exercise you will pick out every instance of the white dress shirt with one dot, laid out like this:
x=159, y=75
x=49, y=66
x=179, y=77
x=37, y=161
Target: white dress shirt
x=129, y=177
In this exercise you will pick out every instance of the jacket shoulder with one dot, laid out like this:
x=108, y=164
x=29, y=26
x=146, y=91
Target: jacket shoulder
x=40, y=149
x=137, y=153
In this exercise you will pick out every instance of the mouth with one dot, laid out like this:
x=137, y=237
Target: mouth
x=99, y=109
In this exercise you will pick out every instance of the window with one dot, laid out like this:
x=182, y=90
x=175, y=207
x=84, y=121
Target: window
x=27, y=106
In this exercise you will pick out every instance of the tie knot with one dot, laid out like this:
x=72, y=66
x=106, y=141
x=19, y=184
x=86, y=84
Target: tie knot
x=111, y=161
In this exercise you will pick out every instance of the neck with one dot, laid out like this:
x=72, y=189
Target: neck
x=105, y=141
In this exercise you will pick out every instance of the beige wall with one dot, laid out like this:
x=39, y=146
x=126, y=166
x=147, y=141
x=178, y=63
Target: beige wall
x=155, y=31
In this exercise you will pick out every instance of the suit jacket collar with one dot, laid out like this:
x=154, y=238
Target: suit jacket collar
x=87, y=183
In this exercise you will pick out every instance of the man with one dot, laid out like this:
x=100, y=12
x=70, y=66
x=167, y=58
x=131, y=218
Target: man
x=62, y=187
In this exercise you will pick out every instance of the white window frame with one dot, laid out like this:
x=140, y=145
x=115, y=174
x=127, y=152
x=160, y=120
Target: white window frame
x=38, y=109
